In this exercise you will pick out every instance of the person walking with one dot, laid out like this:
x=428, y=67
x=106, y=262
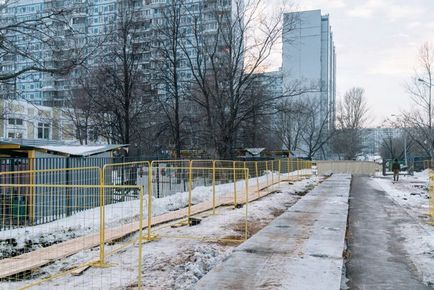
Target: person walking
x=396, y=167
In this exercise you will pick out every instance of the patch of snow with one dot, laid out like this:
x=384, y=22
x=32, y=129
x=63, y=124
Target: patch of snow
x=73, y=149
x=411, y=193
x=19, y=240
x=171, y=263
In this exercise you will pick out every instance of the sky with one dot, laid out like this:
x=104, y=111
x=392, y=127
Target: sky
x=377, y=44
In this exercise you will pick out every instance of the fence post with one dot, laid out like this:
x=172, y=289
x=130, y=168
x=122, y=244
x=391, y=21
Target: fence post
x=190, y=188
x=213, y=186
x=266, y=170
x=289, y=165
x=298, y=168
x=272, y=172
x=257, y=178
x=32, y=199
x=101, y=217
x=431, y=192
x=280, y=168
x=149, y=199
x=139, y=270
x=247, y=203
x=235, y=184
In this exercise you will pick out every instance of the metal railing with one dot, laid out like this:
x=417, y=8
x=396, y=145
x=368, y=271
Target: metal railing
x=93, y=206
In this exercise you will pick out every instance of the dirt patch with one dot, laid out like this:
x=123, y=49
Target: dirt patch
x=278, y=211
x=231, y=241
x=305, y=190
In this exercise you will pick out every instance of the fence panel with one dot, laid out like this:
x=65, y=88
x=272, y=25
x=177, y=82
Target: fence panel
x=208, y=188
x=38, y=205
x=73, y=243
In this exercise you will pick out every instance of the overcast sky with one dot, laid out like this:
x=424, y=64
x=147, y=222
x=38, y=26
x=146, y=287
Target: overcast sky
x=376, y=45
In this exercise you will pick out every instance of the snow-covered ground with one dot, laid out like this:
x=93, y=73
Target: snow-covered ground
x=16, y=241
x=173, y=263
x=411, y=193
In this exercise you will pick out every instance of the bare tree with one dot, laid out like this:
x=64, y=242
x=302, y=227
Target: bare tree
x=119, y=92
x=169, y=33
x=79, y=109
x=224, y=59
x=393, y=147
x=351, y=117
x=42, y=27
x=315, y=132
x=289, y=124
x=419, y=121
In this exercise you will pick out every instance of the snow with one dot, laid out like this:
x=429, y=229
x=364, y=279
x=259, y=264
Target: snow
x=411, y=193
x=172, y=263
x=74, y=150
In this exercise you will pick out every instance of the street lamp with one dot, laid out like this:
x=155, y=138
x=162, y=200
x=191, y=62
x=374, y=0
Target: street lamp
x=430, y=85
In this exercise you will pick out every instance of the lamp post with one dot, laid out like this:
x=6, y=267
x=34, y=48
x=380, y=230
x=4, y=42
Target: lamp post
x=430, y=85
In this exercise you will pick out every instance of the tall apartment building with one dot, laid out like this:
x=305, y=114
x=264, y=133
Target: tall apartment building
x=93, y=19
x=309, y=58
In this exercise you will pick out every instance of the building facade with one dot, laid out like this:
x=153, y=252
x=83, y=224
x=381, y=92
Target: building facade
x=373, y=138
x=23, y=120
x=94, y=20
x=309, y=59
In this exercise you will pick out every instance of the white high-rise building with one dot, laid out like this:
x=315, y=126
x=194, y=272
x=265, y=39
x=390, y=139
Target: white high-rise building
x=309, y=59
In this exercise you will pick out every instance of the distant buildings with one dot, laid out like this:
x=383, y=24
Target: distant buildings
x=94, y=19
x=308, y=64
x=272, y=81
x=22, y=120
x=309, y=58
x=373, y=138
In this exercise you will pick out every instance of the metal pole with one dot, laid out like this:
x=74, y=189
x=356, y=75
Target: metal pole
x=101, y=218
x=139, y=270
x=430, y=115
x=235, y=185
x=190, y=188
x=149, y=199
x=213, y=187
x=405, y=150
x=257, y=177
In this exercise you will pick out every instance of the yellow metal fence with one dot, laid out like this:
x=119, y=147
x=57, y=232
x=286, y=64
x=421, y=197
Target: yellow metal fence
x=92, y=207
x=431, y=197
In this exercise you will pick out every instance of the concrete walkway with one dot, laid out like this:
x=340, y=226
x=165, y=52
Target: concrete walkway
x=301, y=249
x=378, y=260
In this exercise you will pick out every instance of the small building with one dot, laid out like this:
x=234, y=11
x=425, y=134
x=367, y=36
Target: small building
x=28, y=169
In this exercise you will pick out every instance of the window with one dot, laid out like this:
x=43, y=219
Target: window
x=15, y=135
x=14, y=121
x=43, y=131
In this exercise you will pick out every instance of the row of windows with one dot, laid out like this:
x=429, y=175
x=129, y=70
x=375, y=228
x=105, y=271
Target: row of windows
x=43, y=129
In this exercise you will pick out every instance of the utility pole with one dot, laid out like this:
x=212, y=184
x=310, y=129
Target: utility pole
x=430, y=85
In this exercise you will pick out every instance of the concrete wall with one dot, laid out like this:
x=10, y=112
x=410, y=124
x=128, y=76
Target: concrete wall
x=348, y=166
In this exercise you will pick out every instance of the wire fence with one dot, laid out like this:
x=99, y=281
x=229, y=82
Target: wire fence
x=54, y=215
x=26, y=249
x=431, y=197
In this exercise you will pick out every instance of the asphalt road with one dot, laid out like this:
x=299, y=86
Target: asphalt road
x=378, y=259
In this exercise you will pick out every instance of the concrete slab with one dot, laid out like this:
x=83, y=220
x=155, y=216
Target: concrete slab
x=301, y=249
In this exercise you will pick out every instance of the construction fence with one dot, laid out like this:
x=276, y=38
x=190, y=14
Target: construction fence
x=48, y=215
x=431, y=197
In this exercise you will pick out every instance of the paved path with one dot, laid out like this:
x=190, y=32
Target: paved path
x=378, y=260
x=301, y=249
